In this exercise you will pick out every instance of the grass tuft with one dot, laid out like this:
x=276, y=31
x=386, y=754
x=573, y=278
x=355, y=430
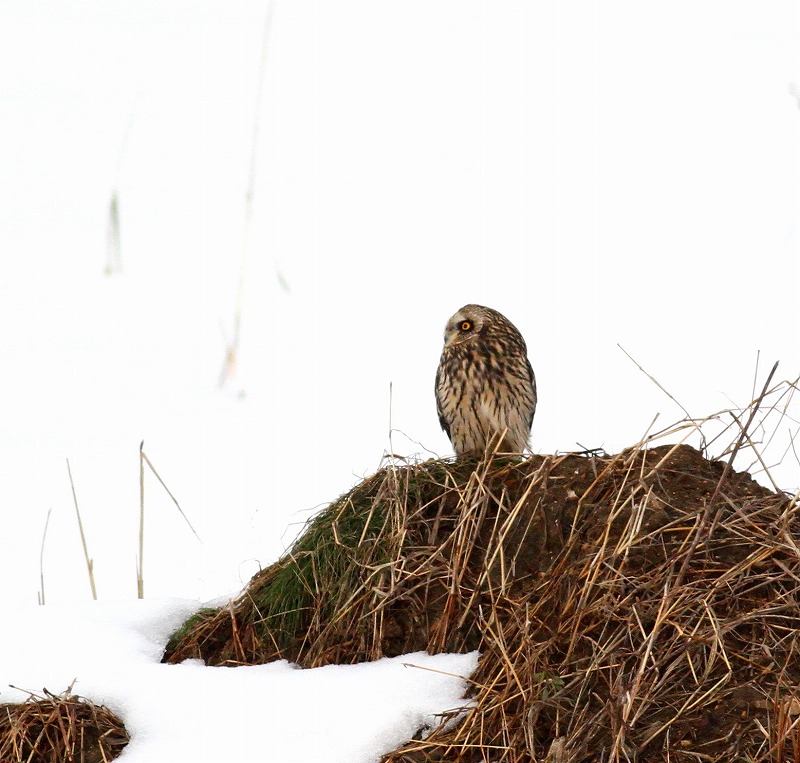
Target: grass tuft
x=58, y=729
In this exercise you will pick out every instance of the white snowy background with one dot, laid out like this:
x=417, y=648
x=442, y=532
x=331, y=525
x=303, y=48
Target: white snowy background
x=605, y=174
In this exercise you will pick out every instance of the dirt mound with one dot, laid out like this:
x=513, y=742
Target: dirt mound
x=642, y=606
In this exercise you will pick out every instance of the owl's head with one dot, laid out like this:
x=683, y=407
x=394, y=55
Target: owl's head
x=467, y=324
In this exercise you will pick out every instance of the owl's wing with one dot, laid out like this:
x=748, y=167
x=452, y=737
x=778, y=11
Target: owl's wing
x=445, y=426
x=442, y=421
x=533, y=390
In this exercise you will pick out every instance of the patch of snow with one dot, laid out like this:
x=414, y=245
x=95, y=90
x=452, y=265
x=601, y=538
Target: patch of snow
x=110, y=651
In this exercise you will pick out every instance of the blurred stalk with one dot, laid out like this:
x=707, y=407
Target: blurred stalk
x=232, y=346
x=113, y=251
x=113, y=236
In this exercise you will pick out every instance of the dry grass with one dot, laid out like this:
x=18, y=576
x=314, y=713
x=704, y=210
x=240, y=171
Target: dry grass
x=662, y=631
x=643, y=606
x=59, y=729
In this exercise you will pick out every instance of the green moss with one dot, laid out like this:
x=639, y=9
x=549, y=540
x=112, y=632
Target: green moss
x=192, y=624
x=345, y=553
x=328, y=567
x=338, y=572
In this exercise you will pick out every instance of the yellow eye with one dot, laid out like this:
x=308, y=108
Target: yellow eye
x=466, y=325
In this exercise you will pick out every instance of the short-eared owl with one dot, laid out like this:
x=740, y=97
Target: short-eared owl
x=485, y=387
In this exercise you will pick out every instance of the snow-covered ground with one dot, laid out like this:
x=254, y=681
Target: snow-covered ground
x=190, y=712
x=603, y=173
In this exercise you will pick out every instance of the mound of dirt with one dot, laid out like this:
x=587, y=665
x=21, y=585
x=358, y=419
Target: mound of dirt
x=642, y=606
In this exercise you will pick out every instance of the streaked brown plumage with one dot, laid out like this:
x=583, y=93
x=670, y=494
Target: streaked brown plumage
x=485, y=387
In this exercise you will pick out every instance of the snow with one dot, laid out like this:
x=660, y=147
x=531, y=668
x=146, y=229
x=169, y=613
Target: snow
x=598, y=186
x=109, y=652
x=606, y=175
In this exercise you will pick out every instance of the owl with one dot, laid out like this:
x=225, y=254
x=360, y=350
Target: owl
x=485, y=387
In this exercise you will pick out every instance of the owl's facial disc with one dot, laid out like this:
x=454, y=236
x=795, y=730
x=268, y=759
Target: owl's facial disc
x=460, y=328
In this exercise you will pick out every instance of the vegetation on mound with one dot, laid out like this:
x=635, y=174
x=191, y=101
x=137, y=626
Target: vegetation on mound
x=637, y=607
x=59, y=729
x=643, y=606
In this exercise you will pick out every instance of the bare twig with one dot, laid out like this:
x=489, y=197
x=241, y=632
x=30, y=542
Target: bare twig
x=655, y=381
x=89, y=561
x=140, y=559
x=143, y=459
x=169, y=493
x=41, y=558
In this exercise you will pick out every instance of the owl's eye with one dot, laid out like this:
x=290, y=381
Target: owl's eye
x=466, y=325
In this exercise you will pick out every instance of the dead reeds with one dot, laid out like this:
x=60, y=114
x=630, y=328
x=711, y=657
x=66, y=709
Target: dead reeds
x=59, y=729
